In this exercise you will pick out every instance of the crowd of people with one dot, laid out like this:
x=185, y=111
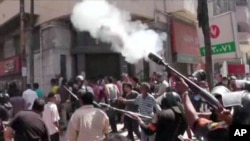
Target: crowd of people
x=172, y=107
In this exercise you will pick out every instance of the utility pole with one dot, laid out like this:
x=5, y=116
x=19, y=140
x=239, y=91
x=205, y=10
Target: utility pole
x=22, y=43
x=31, y=46
x=204, y=24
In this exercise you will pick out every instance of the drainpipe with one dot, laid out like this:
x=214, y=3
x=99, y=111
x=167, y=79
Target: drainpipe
x=41, y=47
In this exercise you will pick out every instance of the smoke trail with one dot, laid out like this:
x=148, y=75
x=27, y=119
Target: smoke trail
x=107, y=23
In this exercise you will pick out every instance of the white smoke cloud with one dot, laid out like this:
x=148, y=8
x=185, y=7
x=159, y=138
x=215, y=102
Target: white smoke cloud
x=107, y=23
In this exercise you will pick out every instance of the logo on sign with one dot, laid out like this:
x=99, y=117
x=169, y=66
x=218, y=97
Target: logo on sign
x=214, y=31
x=9, y=66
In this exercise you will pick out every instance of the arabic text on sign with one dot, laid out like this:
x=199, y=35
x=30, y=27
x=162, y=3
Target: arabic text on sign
x=9, y=66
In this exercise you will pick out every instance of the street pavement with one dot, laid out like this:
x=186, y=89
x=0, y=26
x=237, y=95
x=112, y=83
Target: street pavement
x=123, y=133
x=119, y=127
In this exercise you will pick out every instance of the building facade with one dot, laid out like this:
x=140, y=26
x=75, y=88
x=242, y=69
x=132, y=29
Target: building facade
x=56, y=48
x=240, y=23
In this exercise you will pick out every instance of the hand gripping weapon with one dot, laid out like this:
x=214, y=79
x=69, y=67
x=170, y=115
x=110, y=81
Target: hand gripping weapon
x=204, y=94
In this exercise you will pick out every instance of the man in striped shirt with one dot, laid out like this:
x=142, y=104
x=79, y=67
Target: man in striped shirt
x=146, y=104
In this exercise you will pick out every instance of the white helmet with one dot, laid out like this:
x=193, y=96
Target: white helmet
x=80, y=77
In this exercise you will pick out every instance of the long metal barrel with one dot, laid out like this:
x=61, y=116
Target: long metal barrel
x=125, y=112
x=204, y=94
x=71, y=93
x=75, y=96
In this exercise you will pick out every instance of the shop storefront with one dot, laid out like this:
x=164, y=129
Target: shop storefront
x=238, y=69
x=185, y=46
x=10, y=70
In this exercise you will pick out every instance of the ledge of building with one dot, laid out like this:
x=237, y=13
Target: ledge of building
x=185, y=16
x=14, y=23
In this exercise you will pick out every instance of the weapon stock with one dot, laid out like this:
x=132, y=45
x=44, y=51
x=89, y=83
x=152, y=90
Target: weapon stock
x=130, y=114
x=204, y=94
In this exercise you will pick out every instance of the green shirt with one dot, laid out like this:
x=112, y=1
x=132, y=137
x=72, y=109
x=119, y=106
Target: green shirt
x=39, y=93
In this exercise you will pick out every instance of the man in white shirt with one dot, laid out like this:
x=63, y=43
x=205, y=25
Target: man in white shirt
x=163, y=85
x=87, y=123
x=51, y=117
x=29, y=96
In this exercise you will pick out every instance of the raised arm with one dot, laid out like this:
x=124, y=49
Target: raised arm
x=190, y=112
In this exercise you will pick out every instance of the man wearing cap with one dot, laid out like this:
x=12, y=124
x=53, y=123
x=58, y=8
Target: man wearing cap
x=80, y=86
x=51, y=117
x=81, y=82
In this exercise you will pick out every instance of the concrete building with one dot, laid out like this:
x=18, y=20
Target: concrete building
x=58, y=48
x=243, y=19
x=239, y=24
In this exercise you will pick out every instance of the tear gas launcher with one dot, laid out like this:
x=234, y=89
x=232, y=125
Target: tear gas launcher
x=211, y=100
x=128, y=113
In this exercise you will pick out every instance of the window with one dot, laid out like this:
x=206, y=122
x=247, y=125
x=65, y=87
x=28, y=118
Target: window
x=17, y=44
x=241, y=2
x=239, y=28
x=63, y=68
x=222, y=6
x=36, y=39
x=85, y=39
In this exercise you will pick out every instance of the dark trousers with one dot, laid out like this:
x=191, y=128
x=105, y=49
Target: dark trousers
x=112, y=119
x=55, y=137
x=133, y=127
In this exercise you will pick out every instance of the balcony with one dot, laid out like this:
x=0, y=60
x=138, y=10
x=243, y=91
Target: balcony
x=242, y=16
x=244, y=37
x=184, y=8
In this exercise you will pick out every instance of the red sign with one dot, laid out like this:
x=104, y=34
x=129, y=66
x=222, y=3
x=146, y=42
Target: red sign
x=10, y=66
x=185, y=39
x=236, y=69
x=214, y=31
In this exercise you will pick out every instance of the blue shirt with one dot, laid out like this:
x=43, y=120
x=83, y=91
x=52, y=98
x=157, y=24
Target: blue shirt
x=146, y=105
